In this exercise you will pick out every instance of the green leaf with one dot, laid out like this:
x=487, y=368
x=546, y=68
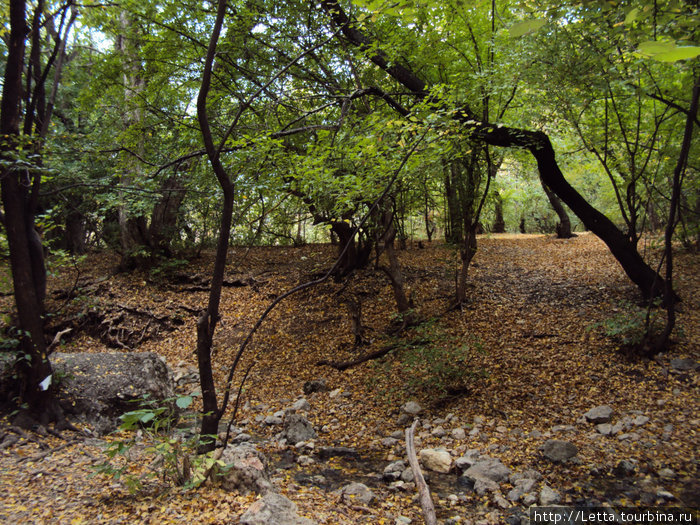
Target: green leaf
x=679, y=53
x=526, y=27
x=653, y=47
x=183, y=402
x=631, y=16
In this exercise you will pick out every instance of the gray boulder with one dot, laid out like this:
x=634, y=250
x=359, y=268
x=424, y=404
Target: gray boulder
x=357, y=492
x=412, y=408
x=600, y=414
x=297, y=428
x=549, y=496
x=247, y=470
x=558, y=451
x=684, y=365
x=273, y=509
x=100, y=387
x=488, y=468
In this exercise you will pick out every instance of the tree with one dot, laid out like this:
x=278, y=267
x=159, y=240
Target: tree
x=21, y=181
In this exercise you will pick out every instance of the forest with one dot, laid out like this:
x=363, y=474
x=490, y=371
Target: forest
x=329, y=261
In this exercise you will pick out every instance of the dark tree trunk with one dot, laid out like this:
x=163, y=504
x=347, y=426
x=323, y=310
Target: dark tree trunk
x=74, y=235
x=356, y=255
x=385, y=244
x=26, y=253
x=563, y=227
x=165, y=215
x=454, y=232
x=499, y=224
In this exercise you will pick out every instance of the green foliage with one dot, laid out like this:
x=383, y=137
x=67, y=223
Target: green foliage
x=632, y=325
x=150, y=431
x=435, y=362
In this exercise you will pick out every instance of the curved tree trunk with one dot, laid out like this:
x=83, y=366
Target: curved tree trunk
x=649, y=282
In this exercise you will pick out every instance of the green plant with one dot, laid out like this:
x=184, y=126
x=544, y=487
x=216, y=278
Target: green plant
x=168, y=267
x=632, y=325
x=173, y=453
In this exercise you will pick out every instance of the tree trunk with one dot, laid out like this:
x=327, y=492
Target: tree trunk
x=453, y=222
x=563, y=227
x=165, y=215
x=499, y=224
x=393, y=271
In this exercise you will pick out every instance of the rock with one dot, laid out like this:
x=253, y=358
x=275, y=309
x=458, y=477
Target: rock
x=305, y=461
x=100, y=387
x=625, y=468
x=397, y=434
x=393, y=471
x=666, y=473
x=301, y=404
x=467, y=460
x=246, y=472
x=458, y=433
x=529, y=499
x=297, y=428
x=402, y=520
x=316, y=385
x=684, y=365
x=412, y=408
x=407, y=475
x=520, y=488
x=438, y=432
x=242, y=438
x=335, y=393
x=357, y=492
x=604, y=429
x=599, y=414
x=549, y=496
x=488, y=468
x=483, y=485
x=640, y=420
x=389, y=442
x=661, y=493
x=526, y=474
x=436, y=459
x=272, y=420
x=558, y=451
x=273, y=509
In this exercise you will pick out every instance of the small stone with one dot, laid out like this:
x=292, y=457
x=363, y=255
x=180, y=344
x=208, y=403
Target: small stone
x=436, y=459
x=474, y=432
x=529, y=499
x=535, y=434
x=500, y=500
x=625, y=468
x=599, y=414
x=604, y=429
x=398, y=435
x=501, y=429
x=403, y=520
x=483, y=485
x=305, y=460
x=273, y=420
x=335, y=393
x=412, y=408
x=488, y=468
x=407, y=475
x=393, y=471
x=301, y=404
x=549, y=496
x=438, y=432
x=389, y=442
x=458, y=433
x=640, y=420
x=467, y=460
x=661, y=493
x=357, y=492
x=559, y=451
x=667, y=473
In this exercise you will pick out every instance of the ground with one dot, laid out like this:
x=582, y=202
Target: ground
x=521, y=362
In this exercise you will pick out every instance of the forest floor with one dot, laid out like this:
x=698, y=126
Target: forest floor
x=519, y=364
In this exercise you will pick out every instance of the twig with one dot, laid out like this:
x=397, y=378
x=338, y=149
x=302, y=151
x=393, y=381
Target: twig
x=426, y=502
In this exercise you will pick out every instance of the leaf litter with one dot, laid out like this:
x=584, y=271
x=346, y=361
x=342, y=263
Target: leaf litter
x=531, y=361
